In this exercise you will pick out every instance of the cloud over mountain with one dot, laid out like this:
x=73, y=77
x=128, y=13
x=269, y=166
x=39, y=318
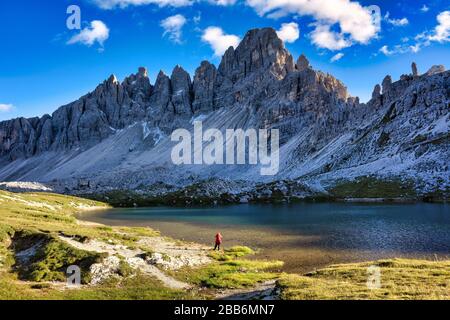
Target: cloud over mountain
x=173, y=26
x=218, y=40
x=289, y=32
x=96, y=32
x=355, y=22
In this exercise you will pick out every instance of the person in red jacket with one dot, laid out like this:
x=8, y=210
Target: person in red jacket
x=218, y=241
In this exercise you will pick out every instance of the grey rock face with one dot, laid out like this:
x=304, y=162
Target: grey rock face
x=302, y=63
x=435, y=70
x=181, y=92
x=138, y=86
x=259, y=60
x=325, y=134
x=203, y=87
x=162, y=93
x=376, y=92
x=386, y=84
x=414, y=70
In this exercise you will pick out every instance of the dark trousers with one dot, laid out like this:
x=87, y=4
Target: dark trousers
x=217, y=247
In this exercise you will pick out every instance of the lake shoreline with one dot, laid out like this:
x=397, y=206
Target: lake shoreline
x=310, y=235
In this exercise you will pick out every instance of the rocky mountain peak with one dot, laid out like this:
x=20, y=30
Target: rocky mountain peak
x=161, y=74
x=386, y=84
x=203, y=87
x=181, y=90
x=302, y=63
x=256, y=85
x=112, y=80
x=414, y=70
x=376, y=93
x=435, y=70
x=260, y=60
x=138, y=86
x=260, y=50
x=142, y=72
x=162, y=91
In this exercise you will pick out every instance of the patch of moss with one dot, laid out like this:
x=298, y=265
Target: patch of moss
x=138, y=287
x=231, y=253
x=230, y=271
x=125, y=270
x=383, y=139
x=419, y=138
x=231, y=274
x=371, y=187
x=49, y=258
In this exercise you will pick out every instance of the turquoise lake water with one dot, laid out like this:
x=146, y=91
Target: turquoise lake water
x=305, y=235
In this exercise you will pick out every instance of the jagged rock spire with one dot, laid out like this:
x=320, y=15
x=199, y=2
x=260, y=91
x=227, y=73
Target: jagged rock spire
x=181, y=91
x=260, y=49
x=386, y=84
x=376, y=93
x=203, y=87
x=138, y=86
x=302, y=63
x=414, y=70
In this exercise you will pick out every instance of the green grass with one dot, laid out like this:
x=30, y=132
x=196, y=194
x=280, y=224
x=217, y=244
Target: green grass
x=370, y=187
x=231, y=253
x=30, y=218
x=26, y=219
x=138, y=287
x=230, y=271
x=400, y=279
x=52, y=258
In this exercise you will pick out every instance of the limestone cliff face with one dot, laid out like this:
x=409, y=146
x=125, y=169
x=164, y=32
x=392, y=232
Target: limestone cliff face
x=245, y=73
x=325, y=133
x=203, y=87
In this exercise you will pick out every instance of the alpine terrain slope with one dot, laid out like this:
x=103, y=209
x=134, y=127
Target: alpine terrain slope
x=116, y=140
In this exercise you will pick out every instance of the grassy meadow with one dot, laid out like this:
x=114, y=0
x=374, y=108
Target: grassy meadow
x=34, y=258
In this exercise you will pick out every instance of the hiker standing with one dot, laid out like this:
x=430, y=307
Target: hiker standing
x=218, y=241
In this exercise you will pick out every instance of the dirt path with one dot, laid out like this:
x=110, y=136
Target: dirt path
x=263, y=291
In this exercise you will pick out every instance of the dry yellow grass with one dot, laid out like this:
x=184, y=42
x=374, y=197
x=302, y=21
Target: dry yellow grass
x=400, y=279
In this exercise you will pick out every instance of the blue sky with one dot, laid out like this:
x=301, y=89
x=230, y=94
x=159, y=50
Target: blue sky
x=44, y=65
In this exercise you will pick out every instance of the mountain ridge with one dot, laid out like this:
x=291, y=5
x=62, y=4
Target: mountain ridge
x=114, y=133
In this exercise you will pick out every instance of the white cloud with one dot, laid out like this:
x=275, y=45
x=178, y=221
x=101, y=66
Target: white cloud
x=6, y=107
x=399, y=49
x=197, y=18
x=223, y=2
x=112, y=4
x=385, y=50
x=289, y=32
x=96, y=32
x=415, y=48
x=424, y=8
x=218, y=40
x=355, y=22
x=173, y=26
x=442, y=30
x=337, y=57
x=323, y=37
x=399, y=22
x=441, y=33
